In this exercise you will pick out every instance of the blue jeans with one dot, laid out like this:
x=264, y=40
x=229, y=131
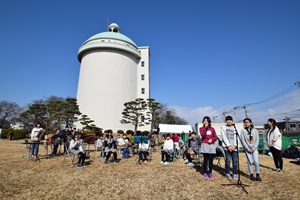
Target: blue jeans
x=35, y=149
x=231, y=156
x=255, y=159
x=126, y=152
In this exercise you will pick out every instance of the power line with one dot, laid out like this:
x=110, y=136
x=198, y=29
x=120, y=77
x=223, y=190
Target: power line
x=272, y=98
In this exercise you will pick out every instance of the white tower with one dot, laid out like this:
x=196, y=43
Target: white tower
x=113, y=71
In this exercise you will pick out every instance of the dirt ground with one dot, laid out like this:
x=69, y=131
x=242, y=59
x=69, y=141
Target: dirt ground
x=54, y=178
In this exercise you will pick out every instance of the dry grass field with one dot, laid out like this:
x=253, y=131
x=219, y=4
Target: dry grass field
x=48, y=179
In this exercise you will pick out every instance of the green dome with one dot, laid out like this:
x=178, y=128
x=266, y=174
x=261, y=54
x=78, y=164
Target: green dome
x=111, y=35
x=112, y=39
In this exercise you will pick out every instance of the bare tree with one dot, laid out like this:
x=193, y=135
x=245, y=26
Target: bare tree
x=169, y=116
x=9, y=111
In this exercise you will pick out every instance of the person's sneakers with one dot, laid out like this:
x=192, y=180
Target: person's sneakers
x=211, y=176
x=258, y=177
x=84, y=165
x=275, y=169
x=252, y=177
x=190, y=164
x=161, y=162
x=235, y=176
x=106, y=161
x=146, y=162
x=79, y=166
x=141, y=162
x=166, y=163
x=116, y=162
x=205, y=176
x=228, y=176
x=279, y=170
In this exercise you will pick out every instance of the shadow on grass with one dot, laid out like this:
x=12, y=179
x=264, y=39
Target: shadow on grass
x=296, y=162
x=267, y=167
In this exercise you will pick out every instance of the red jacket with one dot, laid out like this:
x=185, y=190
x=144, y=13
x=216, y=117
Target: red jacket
x=175, y=138
x=208, y=133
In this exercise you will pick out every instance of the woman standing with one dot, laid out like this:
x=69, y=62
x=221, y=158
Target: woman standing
x=208, y=147
x=250, y=140
x=275, y=143
x=35, y=139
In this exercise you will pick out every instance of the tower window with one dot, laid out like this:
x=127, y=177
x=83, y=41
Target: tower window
x=143, y=63
x=142, y=118
x=142, y=77
x=143, y=90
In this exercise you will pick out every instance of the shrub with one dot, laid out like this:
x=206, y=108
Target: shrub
x=4, y=133
x=89, y=132
x=145, y=132
x=129, y=132
x=18, y=133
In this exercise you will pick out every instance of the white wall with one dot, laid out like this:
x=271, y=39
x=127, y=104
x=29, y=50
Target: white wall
x=107, y=79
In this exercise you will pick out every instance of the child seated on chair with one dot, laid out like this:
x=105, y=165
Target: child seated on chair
x=162, y=141
x=126, y=150
x=99, y=144
x=152, y=141
x=167, y=150
x=110, y=147
x=77, y=149
x=193, y=145
x=123, y=144
x=143, y=149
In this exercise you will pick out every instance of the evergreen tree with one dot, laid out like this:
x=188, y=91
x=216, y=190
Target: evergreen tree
x=135, y=113
x=154, y=109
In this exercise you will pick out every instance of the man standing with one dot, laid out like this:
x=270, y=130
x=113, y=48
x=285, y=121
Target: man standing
x=229, y=144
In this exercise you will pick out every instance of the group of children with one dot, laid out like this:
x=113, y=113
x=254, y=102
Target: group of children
x=205, y=145
x=249, y=138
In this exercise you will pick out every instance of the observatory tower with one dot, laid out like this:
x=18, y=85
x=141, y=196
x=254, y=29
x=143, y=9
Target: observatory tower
x=113, y=70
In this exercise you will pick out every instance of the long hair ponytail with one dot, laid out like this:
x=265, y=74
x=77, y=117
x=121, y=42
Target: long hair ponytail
x=274, y=125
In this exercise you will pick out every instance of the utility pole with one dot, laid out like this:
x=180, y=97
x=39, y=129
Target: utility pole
x=286, y=124
x=245, y=108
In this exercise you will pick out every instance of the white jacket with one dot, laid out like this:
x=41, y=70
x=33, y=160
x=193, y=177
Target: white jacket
x=168, y=144
x=34, y=133
x=73, y=144
x=276, y=136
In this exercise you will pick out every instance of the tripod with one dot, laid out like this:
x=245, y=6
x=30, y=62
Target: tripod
x=239, y=182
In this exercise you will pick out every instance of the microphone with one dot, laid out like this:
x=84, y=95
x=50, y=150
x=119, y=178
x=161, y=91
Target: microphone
x=233, y=124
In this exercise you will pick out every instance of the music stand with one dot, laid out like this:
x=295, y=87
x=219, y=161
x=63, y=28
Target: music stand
x=239, y=182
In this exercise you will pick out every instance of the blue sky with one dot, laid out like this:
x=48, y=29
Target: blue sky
x=206, y=56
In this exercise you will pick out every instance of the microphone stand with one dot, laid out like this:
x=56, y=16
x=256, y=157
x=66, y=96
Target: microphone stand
x=239, y=182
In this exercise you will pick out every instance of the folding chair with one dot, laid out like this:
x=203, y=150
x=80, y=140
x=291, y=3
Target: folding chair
x=27, y=150
x=149, y=153
x=69, y=154
x=89, y=140
x=96, y=149
x=219, y=154
x=176, y=153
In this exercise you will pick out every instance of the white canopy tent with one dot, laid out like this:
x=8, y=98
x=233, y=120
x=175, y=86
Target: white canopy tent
x=171, y=128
